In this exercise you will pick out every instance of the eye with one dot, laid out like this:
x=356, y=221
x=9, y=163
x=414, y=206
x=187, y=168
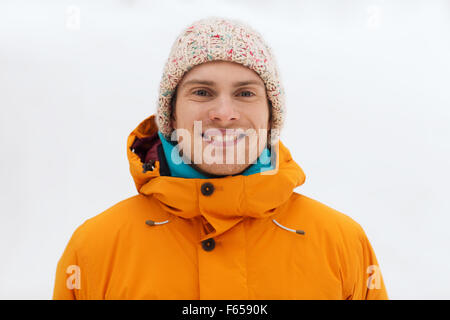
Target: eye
x=246, y=93
x=201, y=92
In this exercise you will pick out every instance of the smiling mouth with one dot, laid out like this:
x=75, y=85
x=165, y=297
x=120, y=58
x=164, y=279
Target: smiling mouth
x=222, y=140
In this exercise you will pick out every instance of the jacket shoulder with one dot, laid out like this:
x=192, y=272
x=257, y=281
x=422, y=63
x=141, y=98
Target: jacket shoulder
x=93, y=245
x=118, y=218
x=342, y=240
x=319, y=216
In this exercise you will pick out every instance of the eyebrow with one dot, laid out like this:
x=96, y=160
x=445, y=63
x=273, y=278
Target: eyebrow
x=212, y=83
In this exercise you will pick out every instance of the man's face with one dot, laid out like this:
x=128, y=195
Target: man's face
x=228, y=100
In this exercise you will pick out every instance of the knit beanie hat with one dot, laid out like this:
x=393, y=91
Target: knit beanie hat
x=220, y=39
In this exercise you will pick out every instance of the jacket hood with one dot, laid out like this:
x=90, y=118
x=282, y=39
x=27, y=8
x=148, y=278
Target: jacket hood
x=233, y=198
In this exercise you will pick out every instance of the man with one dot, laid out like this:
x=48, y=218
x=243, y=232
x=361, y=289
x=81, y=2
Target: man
x=216, y=216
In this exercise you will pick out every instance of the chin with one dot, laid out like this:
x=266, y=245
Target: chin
x=222, y=169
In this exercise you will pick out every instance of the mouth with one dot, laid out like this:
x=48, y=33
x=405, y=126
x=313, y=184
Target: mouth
x=222, y=138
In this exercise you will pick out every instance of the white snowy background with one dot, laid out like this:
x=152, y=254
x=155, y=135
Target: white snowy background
x=368, y=99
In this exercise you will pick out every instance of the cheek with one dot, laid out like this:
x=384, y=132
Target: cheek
x=188, y=112
x=260, y=116
x=263, y=120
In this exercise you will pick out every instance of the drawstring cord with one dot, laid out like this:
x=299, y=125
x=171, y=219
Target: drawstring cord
x=288, y=229
x=155, y=223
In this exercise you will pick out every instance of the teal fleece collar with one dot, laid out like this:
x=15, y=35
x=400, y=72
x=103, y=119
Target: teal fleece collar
x=178, y=168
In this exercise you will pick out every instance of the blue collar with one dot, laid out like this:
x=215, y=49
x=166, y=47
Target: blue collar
x=178, y=168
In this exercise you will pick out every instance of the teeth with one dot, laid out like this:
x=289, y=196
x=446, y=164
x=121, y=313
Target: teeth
x=223, y=138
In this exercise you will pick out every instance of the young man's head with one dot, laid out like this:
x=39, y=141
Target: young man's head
x=220, y=96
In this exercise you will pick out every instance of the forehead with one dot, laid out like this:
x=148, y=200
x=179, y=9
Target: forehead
x=221, y=73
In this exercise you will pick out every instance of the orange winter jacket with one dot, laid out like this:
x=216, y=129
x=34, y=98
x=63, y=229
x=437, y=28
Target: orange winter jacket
x=237, y=237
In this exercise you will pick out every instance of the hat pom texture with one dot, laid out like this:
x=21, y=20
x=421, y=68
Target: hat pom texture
x=219, y=39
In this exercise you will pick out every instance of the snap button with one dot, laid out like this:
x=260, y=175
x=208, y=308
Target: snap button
x=207, y=189
x=208, y=244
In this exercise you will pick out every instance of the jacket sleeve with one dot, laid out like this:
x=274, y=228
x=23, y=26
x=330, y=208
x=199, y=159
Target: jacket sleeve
x=369, y=283
x=68, y=277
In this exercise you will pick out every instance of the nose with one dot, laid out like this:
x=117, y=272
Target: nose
x=223, y=111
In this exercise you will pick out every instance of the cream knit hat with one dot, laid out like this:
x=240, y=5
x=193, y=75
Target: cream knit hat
x=220, y=39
